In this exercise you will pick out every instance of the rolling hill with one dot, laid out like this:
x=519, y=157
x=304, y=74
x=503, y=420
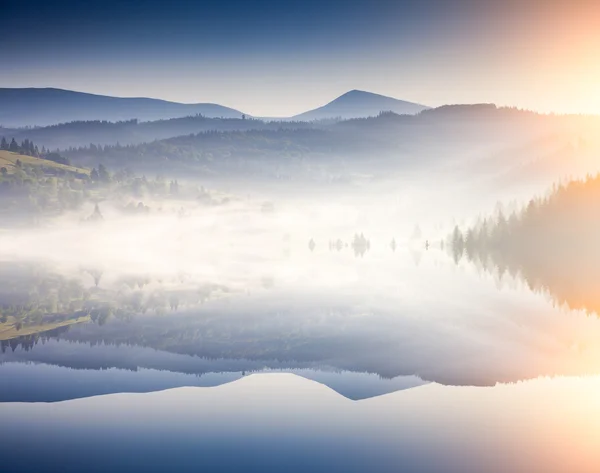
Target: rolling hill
x=47, y=106
x=82, y=133
x=9, y=160
x=358, y=104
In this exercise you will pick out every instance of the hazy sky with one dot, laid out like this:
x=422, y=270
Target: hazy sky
x=272, y=57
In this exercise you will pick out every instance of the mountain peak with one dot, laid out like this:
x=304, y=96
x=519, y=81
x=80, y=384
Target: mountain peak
x=359, y=103
x=357, y=92
x=360, y=92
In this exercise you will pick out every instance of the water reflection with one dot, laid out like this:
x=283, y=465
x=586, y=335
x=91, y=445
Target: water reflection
x=284, y=422
x=357, y=355
x=551, y=244
x=351, y=323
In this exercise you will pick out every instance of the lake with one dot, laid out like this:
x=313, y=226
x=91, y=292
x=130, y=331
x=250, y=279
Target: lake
x=324, y=357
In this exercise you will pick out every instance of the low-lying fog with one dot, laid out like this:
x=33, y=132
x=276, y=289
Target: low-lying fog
x=353, y=274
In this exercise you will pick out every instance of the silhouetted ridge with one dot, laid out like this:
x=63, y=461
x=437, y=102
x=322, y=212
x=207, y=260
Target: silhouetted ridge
x=358, y=103
x=41, y=107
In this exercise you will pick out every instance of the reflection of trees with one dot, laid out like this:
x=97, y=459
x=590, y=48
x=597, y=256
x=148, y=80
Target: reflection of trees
x=34, y=298
x=228, y=339
x=96, y=274
x=27, y=342
x=243, y=334
x=336, y=245
x=360, y=245
x=256, y=339
x=552, y=244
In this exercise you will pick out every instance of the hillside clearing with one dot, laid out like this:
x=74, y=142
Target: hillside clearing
x=9, y=159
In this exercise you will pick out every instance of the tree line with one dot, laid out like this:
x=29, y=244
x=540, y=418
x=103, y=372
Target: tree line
x=552, y=243
x=27, y=147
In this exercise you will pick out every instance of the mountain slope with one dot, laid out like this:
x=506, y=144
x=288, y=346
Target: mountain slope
x=42, y=107
x=82, y=133
x=357, y=104
x=8, y=160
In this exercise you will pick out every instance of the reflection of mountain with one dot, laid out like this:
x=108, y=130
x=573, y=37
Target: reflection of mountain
x=175, y=348
x=56, y=383
x=285, y=423
x=246, y=335
x=552, y=244
x=145, y=323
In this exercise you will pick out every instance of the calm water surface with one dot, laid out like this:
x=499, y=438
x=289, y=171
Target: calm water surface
x=320, y=360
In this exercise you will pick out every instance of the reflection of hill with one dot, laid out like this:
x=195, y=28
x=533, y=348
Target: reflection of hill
x=218, y=341
x=34, y=298
x=236, y=337
x=282, y=423
x=27, y=342
x=56, y=383
x=339, y=328
x=12, y=328
x=552, y=244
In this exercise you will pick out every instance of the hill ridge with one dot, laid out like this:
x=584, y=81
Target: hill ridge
x=358, y=103
x=33, y=106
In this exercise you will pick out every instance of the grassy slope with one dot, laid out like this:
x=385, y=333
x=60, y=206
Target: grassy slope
x=9, y=160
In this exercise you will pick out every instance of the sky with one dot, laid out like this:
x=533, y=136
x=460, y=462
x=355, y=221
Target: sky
x=275, y=58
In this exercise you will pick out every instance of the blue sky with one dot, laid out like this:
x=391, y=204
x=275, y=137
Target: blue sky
x=274, y=58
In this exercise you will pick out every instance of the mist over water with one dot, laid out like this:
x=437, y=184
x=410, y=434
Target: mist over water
x=303, y=237
x=336, y=281
x=387, y=275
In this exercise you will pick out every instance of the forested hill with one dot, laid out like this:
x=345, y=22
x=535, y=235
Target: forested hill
x=37, y=189
x=553, y=243
x=443, y=135
x=82, y=133
x=226, y=153
x=444, y=120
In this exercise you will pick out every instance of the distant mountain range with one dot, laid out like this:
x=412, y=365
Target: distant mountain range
x=48, y=106
x=82, y=133
x=42, y=107
x=358, y=104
